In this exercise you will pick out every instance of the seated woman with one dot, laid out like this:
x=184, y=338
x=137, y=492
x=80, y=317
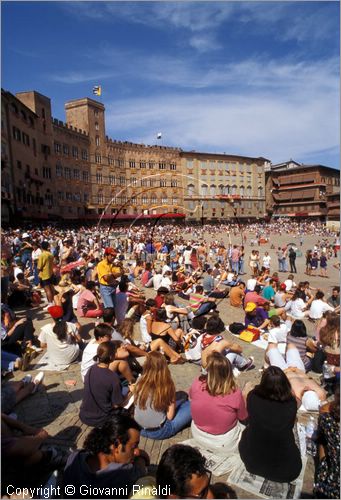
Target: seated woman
x=61, y=339
x=218, y=427
x=148, y=344
x=102, y=389
x=157, y=410
x=176, y=316
x=267, y=446
x=330, y=341
x=88, y=305
x=327, y=472
x=305, y=345
x=14, y=330
x=159, y=328
x=20, y=292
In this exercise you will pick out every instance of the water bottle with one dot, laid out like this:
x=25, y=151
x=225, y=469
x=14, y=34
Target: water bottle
x=309, y=433
x=162, y=351
x=327, y=373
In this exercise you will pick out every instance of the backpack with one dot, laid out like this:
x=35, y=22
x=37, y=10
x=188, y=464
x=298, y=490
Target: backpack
x=236, y=328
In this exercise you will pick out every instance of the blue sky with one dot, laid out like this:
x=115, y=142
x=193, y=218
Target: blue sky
x=251, y=78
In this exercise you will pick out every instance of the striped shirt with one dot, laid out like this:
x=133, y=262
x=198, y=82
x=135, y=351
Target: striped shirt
x=195, y=301
x=300, y=344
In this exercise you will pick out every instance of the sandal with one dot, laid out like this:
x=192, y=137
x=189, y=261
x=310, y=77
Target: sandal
x=179, y=361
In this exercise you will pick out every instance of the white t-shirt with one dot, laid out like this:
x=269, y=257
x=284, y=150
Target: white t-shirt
x=88, y=357
x=296, y=308
x=187, y=256
x=278, y=334
x=251, y=283
x=165, y=269
x=157, y=278
x=266, y=261
x=144, y=330
x=318, y=307
x=60, y=353
x=36, y=253
x=166, y=282
x=289, y=285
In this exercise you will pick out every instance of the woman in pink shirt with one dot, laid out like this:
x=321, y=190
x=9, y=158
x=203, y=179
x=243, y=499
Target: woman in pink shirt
x=217, y=428
x=88, y=305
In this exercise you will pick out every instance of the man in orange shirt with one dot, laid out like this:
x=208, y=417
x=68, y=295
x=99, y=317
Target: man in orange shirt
x=108, y=273
x=237, y=294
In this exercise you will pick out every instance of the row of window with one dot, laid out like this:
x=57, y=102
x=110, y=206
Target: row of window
x=134, y=182
x=221, y=204
x=119, y=162
x=20, y=136
x=72, y=196
x=58, y=148
x=23, y=115
x=37, y=199
x=74, y=174
x=144, y=200
x=223, y=190
x=214, y=165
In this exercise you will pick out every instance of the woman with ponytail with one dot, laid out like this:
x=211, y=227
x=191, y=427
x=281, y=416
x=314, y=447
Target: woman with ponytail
x=102, y=389
x=61, y=340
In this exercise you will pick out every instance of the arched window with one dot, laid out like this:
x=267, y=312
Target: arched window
x=234, y=189
x=241, y=190
x=227, y=190
x=203, y=189
x=190, y=190
x=249, y=191
x=213, y=190
x=221, y=189
x=260, y=191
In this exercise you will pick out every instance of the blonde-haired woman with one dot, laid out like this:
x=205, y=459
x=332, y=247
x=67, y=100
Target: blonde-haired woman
x=217, y=428
x=156, y=409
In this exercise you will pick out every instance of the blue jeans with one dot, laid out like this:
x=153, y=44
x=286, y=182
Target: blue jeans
x=280, y=265
x=205, y=308
x=235, y=267
x=108, y=295
x=241, y=266
x=7, y=360
x=35, y=274
x=27, y=257
x=171, y=427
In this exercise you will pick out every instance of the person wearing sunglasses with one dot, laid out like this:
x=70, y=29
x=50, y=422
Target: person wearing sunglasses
x=182, y=473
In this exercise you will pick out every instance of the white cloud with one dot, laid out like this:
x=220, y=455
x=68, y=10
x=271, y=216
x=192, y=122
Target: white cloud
x=75, y=77
x=300, y=119
x=204, y=43
x=283, y=19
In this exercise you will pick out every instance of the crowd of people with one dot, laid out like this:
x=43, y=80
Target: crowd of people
x=155, y=294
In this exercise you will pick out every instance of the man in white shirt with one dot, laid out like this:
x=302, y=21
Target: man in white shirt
x=318, y=306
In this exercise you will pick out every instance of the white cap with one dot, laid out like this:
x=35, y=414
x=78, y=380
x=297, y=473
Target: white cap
x=310, y=401
x=25, y=235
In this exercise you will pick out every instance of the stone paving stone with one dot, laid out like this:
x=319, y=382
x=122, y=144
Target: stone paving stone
x=56, y=405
